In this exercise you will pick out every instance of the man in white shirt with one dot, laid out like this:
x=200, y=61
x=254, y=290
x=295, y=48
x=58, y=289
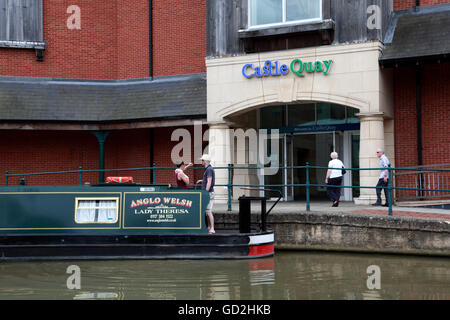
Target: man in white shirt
x=383, y=179
x=334, y=178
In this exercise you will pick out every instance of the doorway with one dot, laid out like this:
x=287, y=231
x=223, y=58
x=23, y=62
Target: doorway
x=314, y=149
x=309, y=133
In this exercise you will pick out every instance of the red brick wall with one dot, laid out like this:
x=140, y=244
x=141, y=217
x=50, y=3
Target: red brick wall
x=128, y=149
x=435, y=115
x=179, y=37
x=48, y=151
x=405, y=117
x=87, y=53
x=24, y=151
x=132, y=39
x=405, y=4
x=113, y=42
x=435, y=101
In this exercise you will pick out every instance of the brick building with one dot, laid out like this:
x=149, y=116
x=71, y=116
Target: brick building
x=417, y=51
x=89, y=77
x=134, y=71
x=358, y=76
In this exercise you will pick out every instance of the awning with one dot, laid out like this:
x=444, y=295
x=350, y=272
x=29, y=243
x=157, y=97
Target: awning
x=61, y=100
x=422, y=35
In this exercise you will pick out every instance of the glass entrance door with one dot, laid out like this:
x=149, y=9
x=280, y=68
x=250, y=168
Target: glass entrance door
x=314, y=149
x=298, y=149
x=310, y=132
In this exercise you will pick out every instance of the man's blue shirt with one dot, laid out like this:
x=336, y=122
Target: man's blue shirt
x=209, y=172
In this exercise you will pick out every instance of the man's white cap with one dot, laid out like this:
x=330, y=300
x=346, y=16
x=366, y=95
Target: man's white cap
x=206, y=157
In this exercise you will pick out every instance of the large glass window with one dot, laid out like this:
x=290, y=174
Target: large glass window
x=265, y=12
x=330, y=114
x=351, y=115
x=307, y=115
x=268, y=12
x=304, y=114
x=303, y=9
x=273, y=117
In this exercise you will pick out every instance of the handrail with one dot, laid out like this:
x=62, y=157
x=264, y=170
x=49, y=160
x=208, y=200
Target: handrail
x=230, y=185
x=425, y=168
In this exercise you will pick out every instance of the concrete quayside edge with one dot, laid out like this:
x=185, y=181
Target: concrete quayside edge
x=352, y=232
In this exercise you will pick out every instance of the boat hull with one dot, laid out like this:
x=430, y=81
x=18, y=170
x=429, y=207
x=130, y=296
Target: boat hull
x=140, y=246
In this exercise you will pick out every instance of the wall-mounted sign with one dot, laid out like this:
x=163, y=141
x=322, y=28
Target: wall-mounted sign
x=164, y=211
x=321, y=128
x=297, y=66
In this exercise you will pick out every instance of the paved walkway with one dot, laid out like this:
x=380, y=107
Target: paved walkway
x=344, y=207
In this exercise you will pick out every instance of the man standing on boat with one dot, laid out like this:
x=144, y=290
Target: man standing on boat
x=208, y=185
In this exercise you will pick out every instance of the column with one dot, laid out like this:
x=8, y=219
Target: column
x=101, y=138
x=371, y=138
x=220, y=153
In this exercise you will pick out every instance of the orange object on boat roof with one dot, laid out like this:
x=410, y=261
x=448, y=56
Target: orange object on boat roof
x=119, y=179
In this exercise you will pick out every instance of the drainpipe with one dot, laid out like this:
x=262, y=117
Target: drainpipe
x=150, y=38
x=419, y=123
x=152, y=153
x=417, y=5
x=150, y=63
x=419, y=113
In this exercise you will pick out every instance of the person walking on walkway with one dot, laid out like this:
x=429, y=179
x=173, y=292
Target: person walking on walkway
x=208, y=185
x=334, y=178
x=383, y=179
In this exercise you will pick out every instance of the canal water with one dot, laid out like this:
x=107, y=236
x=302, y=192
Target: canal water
x=287, y=276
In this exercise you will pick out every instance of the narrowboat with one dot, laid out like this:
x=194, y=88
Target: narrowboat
x=119, y=220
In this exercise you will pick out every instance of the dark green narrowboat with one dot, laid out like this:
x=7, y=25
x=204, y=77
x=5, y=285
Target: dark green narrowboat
x=116, y=221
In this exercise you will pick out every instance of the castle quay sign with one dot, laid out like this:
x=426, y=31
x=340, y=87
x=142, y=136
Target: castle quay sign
x=297, y=66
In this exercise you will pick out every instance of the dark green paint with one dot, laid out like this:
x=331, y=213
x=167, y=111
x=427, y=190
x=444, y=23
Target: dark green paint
x=51, y=210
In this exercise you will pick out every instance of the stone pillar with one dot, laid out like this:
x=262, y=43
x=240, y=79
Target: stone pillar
x=371, y=138
x=220, y=152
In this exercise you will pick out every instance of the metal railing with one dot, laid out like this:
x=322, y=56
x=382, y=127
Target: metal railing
x=429, y=177
x=424, y=189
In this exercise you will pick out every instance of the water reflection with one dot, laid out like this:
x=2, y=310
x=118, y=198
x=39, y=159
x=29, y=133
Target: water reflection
x=288, y=275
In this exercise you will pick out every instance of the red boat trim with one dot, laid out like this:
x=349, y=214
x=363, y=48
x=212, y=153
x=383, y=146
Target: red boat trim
x=265, y=249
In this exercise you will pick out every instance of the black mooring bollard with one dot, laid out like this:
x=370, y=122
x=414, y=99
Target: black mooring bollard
x=244, y=214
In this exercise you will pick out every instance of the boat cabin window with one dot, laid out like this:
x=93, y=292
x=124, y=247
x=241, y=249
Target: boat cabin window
x=96, y=210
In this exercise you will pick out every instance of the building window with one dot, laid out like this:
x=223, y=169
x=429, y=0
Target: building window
x=96, y=210
x=21, y=25
x=328, y=114
x=307, y=115
x=265, y=13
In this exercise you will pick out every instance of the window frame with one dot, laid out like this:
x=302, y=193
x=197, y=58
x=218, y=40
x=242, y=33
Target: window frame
x=116, y=199
x=284, y=22
x=38, y=44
